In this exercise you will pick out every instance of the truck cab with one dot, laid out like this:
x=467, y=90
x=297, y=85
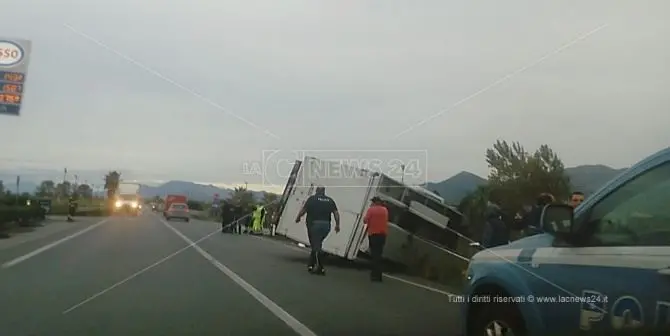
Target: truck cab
x=603, y=267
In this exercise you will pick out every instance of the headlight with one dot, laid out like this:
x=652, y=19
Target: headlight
x=134, y=204
x=118, y=204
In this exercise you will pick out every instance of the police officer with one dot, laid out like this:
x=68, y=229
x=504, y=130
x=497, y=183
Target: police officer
x=258, y=217
x=72, y=208
x=318, y=208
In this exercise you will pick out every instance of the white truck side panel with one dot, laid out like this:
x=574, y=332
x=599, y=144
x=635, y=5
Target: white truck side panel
x=287, y=225
x=350, y=191
x=128, y=188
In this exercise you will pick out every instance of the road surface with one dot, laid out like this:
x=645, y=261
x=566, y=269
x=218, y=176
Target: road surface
x=143, y=276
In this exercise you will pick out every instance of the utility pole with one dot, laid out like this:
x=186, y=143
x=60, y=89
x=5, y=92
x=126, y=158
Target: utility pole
x=63, y=191
x=74, y=186
x=18, y=181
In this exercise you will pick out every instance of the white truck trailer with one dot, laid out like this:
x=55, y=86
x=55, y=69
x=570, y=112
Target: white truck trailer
x=420, y=222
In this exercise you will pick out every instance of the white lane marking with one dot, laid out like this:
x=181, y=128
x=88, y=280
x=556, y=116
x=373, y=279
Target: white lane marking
x=134, y=275
x=274, y=308
x=409, y=282
x=51, y=245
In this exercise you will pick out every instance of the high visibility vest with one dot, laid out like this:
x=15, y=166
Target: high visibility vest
x=257, y=215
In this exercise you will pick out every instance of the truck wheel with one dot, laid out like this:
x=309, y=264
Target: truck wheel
x=498, y=320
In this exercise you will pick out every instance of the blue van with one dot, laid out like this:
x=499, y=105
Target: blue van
x=603, y=268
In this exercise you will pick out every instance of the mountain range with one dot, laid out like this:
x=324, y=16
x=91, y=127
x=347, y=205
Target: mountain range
x=194, y=191
x=30, y=180
x=586, y=178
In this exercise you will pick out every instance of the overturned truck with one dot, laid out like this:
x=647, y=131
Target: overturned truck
x=423, y=229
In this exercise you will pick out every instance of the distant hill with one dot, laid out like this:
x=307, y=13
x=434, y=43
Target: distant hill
x=586, y=178
x=589, y=178
x=194, y=191
x=456, y=187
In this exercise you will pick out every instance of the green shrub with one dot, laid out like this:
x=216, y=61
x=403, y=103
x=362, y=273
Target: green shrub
x=195, y=205
x=21, y=215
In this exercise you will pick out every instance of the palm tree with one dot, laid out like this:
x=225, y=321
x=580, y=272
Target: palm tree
x=47, y=188
x=271, y=203
x=269, y=198
x=242, y=197
x=112, y=180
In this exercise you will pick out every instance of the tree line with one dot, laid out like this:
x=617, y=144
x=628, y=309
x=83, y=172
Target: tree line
x=516, y=178
x=240, y=195
x=50, y=189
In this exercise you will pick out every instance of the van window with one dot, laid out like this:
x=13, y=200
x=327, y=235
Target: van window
x=419, y=227
x=635, y=214
x=391, y=188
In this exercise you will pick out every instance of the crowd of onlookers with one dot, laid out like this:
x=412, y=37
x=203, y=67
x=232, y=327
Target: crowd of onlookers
x=499, y=226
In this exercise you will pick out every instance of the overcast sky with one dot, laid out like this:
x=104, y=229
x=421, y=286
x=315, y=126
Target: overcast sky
x=193, y=89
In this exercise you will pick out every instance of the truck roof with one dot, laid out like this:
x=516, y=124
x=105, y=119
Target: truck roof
x=427, y=192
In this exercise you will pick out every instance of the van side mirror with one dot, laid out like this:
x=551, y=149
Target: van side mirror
x=557, y=218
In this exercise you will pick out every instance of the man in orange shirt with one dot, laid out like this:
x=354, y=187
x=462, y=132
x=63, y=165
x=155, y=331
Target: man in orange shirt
x=377, y=220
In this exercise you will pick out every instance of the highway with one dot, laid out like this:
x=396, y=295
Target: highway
x=144, y=276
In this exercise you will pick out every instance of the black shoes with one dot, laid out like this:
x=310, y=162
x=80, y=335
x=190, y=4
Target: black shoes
x=314, y=270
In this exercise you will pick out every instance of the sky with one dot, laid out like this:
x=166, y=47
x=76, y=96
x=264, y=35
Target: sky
x=206, y=90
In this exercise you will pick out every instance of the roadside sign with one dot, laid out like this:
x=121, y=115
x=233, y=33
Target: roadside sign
x=14, y=56
x=46, y=204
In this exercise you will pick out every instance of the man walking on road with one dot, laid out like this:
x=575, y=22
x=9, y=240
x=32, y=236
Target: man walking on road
x=318, y=208
x=377, y=220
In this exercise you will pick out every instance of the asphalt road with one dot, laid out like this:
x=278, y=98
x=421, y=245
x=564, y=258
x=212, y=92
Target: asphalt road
x=143, y=276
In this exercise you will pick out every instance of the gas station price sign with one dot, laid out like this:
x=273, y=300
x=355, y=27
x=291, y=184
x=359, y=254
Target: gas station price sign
x=14, y=55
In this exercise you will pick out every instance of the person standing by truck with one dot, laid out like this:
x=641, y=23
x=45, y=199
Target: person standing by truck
x=319, y=209
x=227, y=217
x=377, y=221
x=239, y=217
x=576, y=199
x=257, y=219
